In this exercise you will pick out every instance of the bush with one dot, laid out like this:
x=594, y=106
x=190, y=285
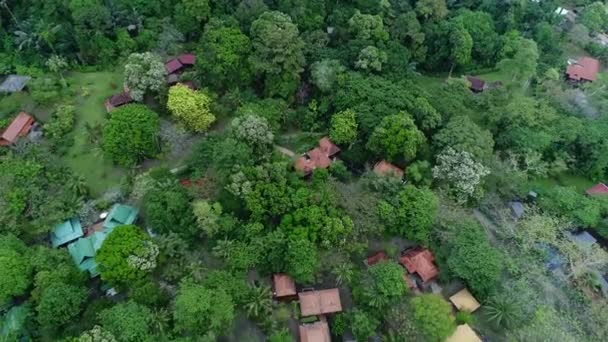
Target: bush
x=60, y=124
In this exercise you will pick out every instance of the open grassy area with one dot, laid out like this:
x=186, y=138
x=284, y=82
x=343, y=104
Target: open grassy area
x=83, y=158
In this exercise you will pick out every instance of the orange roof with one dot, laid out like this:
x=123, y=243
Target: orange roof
x=376, y=258
x=284, y=286
x=384, y=168
x=585, y=69
x=328, y=148
x=598, y=189
x=320, y=302
x=420, y=261
x=315, y=332
x=20, y=126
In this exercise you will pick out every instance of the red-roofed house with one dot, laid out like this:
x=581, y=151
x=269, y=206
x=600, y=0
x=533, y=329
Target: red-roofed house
x=187, y=59
x=173, y=65
x=318, y=157
x=585, y=69
x=477, y=85
x=420, y=261
x=117, y=100
x=376, y=258
x=598, y=189
x=283, y=286
x=20, y=126
x=384, y=168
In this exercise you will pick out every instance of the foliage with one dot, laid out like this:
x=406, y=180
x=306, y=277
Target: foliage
x=97, y=334
x=167, y=209
x=62, y=122
x=462, y=134
x=59, y=304
x=144, y=73
x=207, y=217
x=381, y=285
x=594, y=17
x=371, y=59
x=397, y=135
x=277, y=52
x=460, y=172
x=433, y=316
x=302, y=260
x=411, y=214
x=325, y=73
x=258, y=303
x=127, y=321
x=364, y=325
x=343, y=127
x=131, y=134
x=15, y=268
x=192, y=107
x=117, y=252
x=569, y=202
x=254, y=131
x=199, y=310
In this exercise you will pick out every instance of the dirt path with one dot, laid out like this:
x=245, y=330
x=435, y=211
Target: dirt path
x=285, y=151
x=487, y=224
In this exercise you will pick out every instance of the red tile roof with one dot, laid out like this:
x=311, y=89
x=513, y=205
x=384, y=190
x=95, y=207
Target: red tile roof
x=585, y=69
x=318, y=157
x=328, y=147
x=420, y=261
x=477, y=84
x=120, y=99
x=284, y=286
x=315, y=332
x=384, y=168
x=320, y=302
x=187, y=59
x=598, y=189
x=20, y=126
x=173, y=65
x=376, y=258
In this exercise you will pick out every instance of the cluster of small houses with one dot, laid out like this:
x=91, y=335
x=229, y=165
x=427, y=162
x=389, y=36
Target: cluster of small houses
x=174, y=67
x=316, y=305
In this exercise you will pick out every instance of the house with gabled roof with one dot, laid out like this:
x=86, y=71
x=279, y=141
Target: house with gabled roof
x=585, y=69
x=320, y=157
x=118, y=100
x=20, y=126
x=320, y=302
x=283, y=286
x=120, y=214
x=420, y=261
x=315, y=332
x=384, y=168
x=66, y=232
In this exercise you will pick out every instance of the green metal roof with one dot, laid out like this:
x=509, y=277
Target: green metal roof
x=120, y=214
x=65, y=232
x=13, y=321
x=81, y=249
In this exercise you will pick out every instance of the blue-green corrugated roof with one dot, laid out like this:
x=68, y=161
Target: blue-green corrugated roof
x=65, y=232
x=119, y=215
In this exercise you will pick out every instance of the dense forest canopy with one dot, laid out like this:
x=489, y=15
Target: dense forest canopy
x=200, y=170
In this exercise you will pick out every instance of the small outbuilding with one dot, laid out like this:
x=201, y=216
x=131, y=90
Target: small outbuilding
x=463, y=300
x=20, y=126
x=14, y=83
x=283, y=286
x=66, y=232
x=320, y=302
x=464, y=333
x=384, y=168
x=517, y=209
x=319, y=157
x=118, y=100
x=477, y=85
x=582, y=239
x=597, y=189
x=420, y=261
x=315, y=332
x=187, y=59
x=585, y=69
x=120, y=214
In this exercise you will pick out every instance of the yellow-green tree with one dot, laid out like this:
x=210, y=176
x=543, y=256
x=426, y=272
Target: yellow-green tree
x=191, y=107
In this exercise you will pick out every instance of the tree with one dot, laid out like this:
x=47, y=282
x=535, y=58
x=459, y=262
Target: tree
x=15, y=268
x=97, y=334
x=324, y=74
x=144, y=72
x=462, y=134
x=128, y=321
x=461, y=173
x=367, y=27
x=461, y=45
x=254, y=131
x=190, y=14
x=57, y=64
x=481, y=28
x=59, y=304
x=570, y=203
x=522, y=64
x=126, y=256
x=412, y=213
x=222, y=58
x=407, y=30
x=434, y=10
x=131, y=134
x=199, y=310
x=364, y=325
x=344, y=127
x=397, y=135
x=168, y=209
x=427, y=117
x=258, y=303
x=371, y=59
x=207, y=216
x=433, y=316
x=594, y=17
x=302, y=260
x=192, y=107
x=277, y=53
x=382, y=284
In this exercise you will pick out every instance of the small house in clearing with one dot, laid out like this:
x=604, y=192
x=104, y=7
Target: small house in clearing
x=319, y=157
x=283, y=286
x=320, y=302
x=315, y=332
x=118, y=100
x=598, y=189
x=420, y=261
x=384, y=168
x=585, y=69
x=66, y=232
x=463, y=300
x=477, y=85
x=120, y=214
x=376, y=258
x=179, y=63
x=20, y=126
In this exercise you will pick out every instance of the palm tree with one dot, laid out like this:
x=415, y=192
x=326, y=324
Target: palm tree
x=259, y=301
x=344, y=273
x=501, y=311
x=79, y=185
x=161, y=319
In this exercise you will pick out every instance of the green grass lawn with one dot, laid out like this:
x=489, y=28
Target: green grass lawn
x=564, y=179
x=83, y=158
